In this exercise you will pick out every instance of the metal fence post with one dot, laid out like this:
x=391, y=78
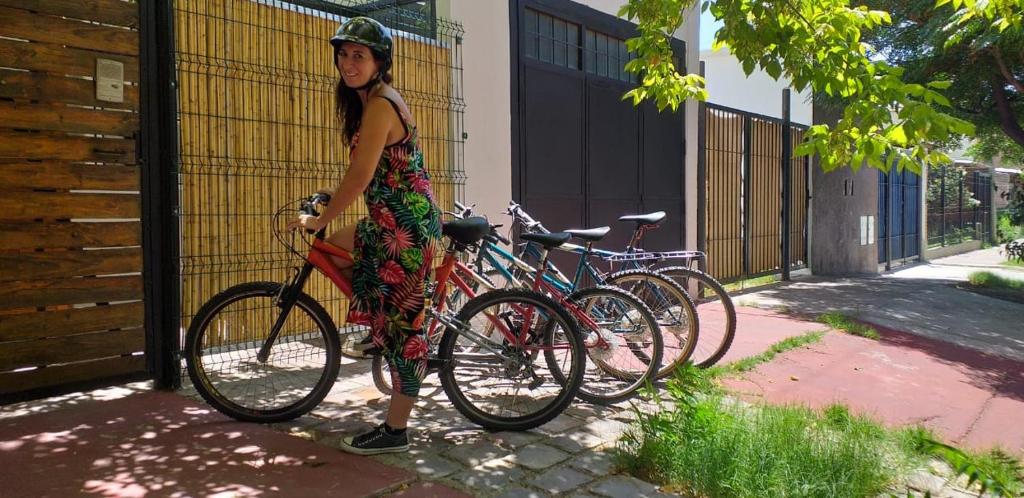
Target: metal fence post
x=960, y=208
x=702, y=178
x=942, y=203
x=748, y=171
x=158, y=151
x=787, y=152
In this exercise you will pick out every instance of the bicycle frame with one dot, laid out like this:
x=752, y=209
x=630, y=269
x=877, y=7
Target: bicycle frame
x=319, y=257
x=557, y=286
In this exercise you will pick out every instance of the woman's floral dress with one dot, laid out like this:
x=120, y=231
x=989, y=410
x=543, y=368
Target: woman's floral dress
x=394, y=249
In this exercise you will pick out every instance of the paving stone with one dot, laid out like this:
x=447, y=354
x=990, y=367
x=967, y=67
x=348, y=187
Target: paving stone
x=925, y=481
x=476, y=453
x=624, y=415
x=608, y=429
x=619, y=486
x=538, y=456
x=522, y=493
x=427, y=489
x=332, y=432
x=511, y=439
x=599, y=463
x=587, y=411
x=577, y=441
x=433, y=466
x=954, y=493
x=582, y=495
x=560, y=424
x=491, y=479
x=561, y=479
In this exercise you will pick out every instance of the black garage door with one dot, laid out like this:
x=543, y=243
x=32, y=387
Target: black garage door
x=581, y=155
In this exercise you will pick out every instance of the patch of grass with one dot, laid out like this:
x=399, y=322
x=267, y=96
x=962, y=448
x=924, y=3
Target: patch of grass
x=1013, y=263
x=751, y=282
x=708, y=445
x=992, y=281
x=751, y=362
x=842, y=322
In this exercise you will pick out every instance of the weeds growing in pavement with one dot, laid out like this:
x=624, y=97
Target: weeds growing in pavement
x=842, y=322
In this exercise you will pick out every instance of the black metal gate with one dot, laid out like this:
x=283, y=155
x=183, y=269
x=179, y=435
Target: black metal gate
x=899, y=217
x=581, y=155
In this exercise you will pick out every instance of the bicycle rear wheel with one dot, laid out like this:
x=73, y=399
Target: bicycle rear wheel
x=672, y=308
x=499, y=385
x=225, y=336
x=715, y=309
x=625, y=349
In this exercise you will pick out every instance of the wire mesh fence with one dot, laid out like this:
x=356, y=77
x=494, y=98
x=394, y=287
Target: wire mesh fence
x=257, y=129
x=959, y=206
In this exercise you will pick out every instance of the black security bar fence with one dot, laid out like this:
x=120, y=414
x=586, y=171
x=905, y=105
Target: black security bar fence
x=754, y=194
x=959, y=203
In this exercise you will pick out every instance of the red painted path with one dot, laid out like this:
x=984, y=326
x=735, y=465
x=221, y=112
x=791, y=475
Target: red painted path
x=970, y=398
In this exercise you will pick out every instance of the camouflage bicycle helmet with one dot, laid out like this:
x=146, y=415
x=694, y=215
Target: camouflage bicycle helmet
x=368, y=32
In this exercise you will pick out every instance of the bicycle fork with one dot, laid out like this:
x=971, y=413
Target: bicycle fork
x=286, y=301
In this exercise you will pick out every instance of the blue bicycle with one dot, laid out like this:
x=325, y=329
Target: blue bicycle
x=668, y=301
x=714, y=306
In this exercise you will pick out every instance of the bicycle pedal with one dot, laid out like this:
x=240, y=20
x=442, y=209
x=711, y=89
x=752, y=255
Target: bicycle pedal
x=536, y=382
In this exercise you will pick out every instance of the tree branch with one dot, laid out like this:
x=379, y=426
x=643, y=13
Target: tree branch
x=1007, y=118
x=1006, y=72
x=798, y=13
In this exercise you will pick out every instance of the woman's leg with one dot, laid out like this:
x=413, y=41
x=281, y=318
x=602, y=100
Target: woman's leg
x=345, y=239
x=399, y=411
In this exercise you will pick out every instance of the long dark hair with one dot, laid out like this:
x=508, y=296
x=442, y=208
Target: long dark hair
x=348, y=106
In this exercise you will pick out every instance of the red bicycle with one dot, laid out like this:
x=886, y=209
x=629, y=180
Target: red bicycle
x=269, y=352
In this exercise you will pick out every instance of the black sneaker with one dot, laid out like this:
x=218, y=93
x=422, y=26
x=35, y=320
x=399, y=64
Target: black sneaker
x=376, y=442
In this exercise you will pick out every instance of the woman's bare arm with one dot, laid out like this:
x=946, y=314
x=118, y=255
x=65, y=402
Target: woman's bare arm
x=373, y=134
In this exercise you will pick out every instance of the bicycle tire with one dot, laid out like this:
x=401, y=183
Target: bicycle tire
x=720, y=340
x=685, y=328
x=588, y=391
x=206, y=386
x=450, y=364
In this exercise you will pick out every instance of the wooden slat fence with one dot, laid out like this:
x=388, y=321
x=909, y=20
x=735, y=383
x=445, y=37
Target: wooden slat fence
x=70, y=244
x=743, y=194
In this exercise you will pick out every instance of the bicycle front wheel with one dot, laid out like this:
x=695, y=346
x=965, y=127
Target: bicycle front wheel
x=715, y=309
x=225, y=336
x=499, y=383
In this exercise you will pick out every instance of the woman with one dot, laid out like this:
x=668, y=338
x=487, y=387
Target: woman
x=393, y=247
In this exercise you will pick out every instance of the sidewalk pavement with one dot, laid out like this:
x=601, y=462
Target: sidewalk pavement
x=921, y=299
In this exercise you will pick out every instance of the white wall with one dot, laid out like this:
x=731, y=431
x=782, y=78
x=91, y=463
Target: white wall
x=486, y=87
x=487, y=91
x=729, y=86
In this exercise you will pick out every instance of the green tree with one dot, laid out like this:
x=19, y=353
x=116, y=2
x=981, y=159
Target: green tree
x=819, y=44
x=984, y=64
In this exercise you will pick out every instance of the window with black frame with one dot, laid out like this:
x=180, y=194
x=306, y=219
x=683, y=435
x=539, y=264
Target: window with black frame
x=607, y=56
x=552, y=40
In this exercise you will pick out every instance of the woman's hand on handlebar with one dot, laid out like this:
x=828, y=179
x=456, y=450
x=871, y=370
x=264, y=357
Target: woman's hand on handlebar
x=307, y=221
